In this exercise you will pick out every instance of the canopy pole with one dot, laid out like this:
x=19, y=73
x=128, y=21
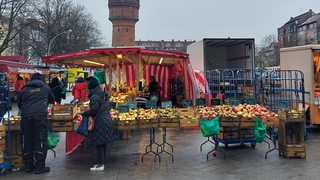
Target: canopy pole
x=122, y=73
x=110, y=75
x=118, y=75
x=137, y=61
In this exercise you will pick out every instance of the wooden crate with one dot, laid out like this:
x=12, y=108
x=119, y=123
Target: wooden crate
x=62, y=126
x=290, y=116
x=64, y=112
x=186, y=112
x=270, y=122
x=229, y=129
x=148, y=123
x=246, y=133
x=291, y=133
x=246, y=123
x=169, y=123
x=127, y=124
x=15, y=143
x=292, y=151
x=3, y=131
x=189, y=123
x=3, y=145
x=229, y=122
x=17, y=162
x=228, y=135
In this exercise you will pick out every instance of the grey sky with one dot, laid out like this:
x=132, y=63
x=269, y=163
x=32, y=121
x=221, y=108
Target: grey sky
x=197, y=19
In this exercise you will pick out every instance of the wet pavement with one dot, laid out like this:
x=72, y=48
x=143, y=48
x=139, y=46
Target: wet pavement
x=124, y=160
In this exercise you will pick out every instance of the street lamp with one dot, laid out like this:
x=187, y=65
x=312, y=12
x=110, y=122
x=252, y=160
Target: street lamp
x=49, y=47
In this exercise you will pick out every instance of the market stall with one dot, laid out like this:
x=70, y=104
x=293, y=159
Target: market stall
x=13, y=68
x=129, y=70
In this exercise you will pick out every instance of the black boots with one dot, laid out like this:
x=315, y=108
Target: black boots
x=28, y=167
x=42, y=170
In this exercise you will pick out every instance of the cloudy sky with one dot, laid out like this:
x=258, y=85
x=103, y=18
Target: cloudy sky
x=197, y=19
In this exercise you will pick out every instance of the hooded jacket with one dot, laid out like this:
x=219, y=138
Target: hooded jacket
x=79, y=91
x=34, y=98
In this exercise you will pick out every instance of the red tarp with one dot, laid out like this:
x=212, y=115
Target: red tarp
x=18, y=67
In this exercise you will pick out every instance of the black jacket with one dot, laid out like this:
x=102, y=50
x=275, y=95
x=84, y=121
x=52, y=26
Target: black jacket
x=102, y=132
x=34, y=98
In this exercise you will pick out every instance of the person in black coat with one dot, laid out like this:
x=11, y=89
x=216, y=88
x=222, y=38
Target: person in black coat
x=56, y=89
x=102, y=133
x=33, y=101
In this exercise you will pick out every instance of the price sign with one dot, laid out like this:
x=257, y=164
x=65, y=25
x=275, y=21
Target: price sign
x=215, y=101
x=151, y=104
x=123, y=108
x=132, y=105
x=166, y=104
x=201, y=102
x=233, y=101
x=187, y=103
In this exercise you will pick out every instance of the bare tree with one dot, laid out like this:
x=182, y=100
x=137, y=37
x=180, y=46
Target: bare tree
x=55, y=18
x=267, y=54
x=12, y=16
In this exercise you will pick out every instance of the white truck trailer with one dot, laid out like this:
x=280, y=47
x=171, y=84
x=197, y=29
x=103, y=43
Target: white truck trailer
x=221, y=53
x=306, y=59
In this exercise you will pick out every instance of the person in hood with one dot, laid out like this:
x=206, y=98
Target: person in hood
x=79, y=89
x=102, y=133
x=56, y=89
x=33, y=101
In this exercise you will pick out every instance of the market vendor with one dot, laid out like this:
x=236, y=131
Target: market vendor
x=154, y=90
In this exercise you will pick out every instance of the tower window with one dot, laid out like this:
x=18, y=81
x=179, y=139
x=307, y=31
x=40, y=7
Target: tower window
x=127, y=30
x=130, y=39
x=118, y=29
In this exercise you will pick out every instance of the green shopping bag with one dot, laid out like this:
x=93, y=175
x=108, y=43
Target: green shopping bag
x=210, y=127
x=52, y=139
x=259, y=130
x=99, y=74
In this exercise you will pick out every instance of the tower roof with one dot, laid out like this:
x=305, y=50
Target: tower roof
x=135, y=3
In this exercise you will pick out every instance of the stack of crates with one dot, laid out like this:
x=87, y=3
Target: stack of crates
x=62, y=117
x=291, y=133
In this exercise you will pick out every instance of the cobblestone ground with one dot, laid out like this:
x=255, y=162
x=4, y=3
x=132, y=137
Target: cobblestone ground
x=124, y=160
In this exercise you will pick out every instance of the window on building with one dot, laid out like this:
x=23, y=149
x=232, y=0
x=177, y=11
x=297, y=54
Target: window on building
x=118, y=29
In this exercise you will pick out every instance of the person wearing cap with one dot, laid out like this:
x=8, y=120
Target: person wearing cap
x=33, y=101
x=102, y=132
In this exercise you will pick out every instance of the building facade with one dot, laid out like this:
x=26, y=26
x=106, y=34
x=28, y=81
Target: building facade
x=176, y=46
x=300, y=30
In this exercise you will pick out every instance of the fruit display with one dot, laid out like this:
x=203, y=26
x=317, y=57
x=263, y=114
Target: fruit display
x=225, y=111
x=207, y=112
x=114, y=114
x=120, y=98
x=148, y=114
x=168, y=113
x=131, y=115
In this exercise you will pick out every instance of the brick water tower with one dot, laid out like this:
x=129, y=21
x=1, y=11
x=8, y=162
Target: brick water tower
x=124, y=14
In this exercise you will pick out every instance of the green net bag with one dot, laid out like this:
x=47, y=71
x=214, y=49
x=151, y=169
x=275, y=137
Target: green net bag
x=210, y=127
x=259, y=130
x=52, y=140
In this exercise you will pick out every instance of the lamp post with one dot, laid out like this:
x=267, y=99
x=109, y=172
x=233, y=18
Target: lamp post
x=49, y=47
